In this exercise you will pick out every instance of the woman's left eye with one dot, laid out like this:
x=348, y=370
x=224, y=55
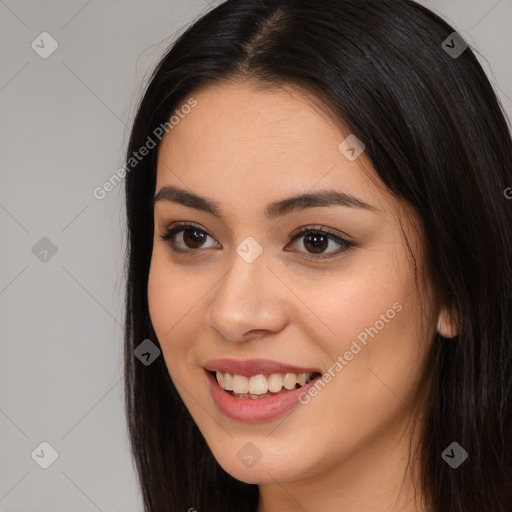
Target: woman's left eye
x=316, y=241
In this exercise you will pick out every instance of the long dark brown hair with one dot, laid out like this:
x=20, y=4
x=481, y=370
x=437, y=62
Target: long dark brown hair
x=438, y=138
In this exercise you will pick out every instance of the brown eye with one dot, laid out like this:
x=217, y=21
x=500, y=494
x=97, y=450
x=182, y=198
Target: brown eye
x=192, y=238
x=316, y=242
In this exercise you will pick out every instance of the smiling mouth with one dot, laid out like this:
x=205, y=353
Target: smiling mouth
x=261, y=386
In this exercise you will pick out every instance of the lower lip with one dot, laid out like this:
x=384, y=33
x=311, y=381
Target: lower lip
x=263, y=409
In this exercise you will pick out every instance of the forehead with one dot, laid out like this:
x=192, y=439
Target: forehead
x=260, y=143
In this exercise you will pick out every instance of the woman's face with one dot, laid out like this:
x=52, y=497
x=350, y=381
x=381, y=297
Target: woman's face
x=240, y=294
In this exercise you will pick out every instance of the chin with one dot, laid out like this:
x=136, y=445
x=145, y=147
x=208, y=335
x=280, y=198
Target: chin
x=263, y=471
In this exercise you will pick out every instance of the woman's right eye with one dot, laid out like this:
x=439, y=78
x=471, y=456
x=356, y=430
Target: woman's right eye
x=190, y=236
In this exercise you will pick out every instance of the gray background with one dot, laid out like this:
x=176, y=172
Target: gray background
x=64, y=127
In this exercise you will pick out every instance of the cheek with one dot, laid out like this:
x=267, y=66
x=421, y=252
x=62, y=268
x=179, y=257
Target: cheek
x=380, y=363
x=364, y=296
x=171, y=306
x=374, y=326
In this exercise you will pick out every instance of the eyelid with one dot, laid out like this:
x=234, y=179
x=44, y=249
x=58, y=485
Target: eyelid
x=322, y=229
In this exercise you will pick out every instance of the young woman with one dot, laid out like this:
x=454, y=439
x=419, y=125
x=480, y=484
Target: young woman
x=319, y=244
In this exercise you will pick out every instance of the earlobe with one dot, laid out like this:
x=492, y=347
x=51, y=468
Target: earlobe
x=446, y=325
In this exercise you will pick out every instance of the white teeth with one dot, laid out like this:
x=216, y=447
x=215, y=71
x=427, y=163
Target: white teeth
x=302, y=378
x=275, y=383
x=228, y=382
x=261, y=384
x=258, y=385
x=240, y=384
x=289, y=381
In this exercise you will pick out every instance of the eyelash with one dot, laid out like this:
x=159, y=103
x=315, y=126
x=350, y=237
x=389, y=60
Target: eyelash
x=184, y=226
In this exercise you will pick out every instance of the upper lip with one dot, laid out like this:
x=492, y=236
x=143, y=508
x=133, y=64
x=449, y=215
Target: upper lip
x=250, y=367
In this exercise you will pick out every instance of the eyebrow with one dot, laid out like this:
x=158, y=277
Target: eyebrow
x=276, y=209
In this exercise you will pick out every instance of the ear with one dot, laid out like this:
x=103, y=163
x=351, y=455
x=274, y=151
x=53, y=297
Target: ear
x=446, y=324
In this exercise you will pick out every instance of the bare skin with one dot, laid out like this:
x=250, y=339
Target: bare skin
x=347, y=448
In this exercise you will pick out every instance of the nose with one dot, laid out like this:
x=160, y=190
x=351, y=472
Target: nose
x=247, y=301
